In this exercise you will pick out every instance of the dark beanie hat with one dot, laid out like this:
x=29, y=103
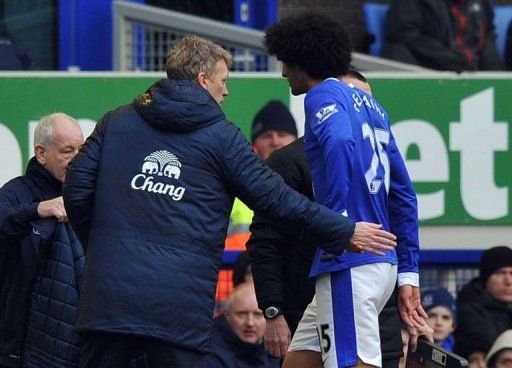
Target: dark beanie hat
x=438, y=298
x=493, y=259
x=273, y=116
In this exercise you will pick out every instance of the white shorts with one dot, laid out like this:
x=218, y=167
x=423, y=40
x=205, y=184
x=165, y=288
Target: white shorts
x=342, y=321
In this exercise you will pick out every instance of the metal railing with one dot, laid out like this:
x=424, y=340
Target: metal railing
x=143, y=35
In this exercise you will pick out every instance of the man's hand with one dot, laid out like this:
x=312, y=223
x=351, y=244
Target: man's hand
x=371, y=238
x=426, y=331
x=53, y=208
x=409, y=306
x=277, y=337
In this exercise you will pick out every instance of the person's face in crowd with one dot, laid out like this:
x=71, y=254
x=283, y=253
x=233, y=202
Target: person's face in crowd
x=66, y=141
x=499, y=284
x=476, y=360
x=441, y=320
x=216, y=83
x=297, y=79
x=504, y=359
x=245, y=318
x=271, y=140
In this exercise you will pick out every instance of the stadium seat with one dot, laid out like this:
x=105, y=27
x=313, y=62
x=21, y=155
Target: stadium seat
x=375, y=19
x=502, y=18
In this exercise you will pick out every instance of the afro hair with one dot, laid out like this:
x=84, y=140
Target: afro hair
x=314, y=42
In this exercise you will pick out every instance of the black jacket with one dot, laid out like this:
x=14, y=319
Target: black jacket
x=228, y=351
x=480, y=319
x=428, y=33
x=40, y=265
x=281, y=261
x=150, y=194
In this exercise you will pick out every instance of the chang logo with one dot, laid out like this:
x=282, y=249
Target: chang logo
x=164, y=164
x=324, y=113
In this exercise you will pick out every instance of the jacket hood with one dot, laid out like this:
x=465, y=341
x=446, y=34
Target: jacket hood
x=178, y=105
x=504, y=341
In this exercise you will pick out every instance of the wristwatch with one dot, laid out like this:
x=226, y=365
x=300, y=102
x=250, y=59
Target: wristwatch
x=272, y=312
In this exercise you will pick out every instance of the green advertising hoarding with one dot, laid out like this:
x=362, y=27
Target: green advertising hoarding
x=453, y=131
x=454, y=134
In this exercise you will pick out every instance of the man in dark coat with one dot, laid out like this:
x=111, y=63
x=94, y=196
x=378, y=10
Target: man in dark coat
x=150, y=196
x=453, y=35
x=40, y=260
x=484, y=305
x=237, y=337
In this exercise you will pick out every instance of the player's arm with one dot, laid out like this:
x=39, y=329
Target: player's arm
x=403, y=217
x=330, y=124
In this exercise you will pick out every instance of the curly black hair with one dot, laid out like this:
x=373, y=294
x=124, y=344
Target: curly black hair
x=314, y=42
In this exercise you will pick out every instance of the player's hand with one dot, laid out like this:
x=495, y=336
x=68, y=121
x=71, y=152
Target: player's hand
x=425, y=331
x=371, y=238
x=53, y=208
x=409, y=306
x=277, y=337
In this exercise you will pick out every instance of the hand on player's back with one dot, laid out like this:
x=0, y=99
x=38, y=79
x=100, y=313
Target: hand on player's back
x=369, y=237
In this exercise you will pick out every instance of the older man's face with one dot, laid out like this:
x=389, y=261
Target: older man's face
x=499, y=284
x=66, y=141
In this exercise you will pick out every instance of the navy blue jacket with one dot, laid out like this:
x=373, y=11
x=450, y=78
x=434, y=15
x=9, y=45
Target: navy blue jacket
x=150, y=195
x=40, y=264
x=228, y=351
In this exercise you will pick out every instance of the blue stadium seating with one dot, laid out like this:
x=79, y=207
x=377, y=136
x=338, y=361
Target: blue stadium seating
x=375, y=18
x=502, y=18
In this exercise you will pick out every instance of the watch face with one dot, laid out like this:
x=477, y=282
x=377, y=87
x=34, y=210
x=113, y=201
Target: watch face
x=271, y=312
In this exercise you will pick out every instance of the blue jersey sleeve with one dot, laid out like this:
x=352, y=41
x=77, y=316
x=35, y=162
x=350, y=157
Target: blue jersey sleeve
x=403, y=212
x=331, y=127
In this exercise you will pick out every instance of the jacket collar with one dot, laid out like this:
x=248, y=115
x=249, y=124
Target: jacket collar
x=43, y=180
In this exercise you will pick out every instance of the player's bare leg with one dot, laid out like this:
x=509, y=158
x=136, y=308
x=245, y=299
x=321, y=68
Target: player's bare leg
x=303, y=359
x=361, y=364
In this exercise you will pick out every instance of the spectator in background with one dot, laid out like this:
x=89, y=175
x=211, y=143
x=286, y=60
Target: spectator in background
x=500, y=354
x=440, y=307
x=453, y=35
x=41, y=259
x=484, y=305
x=13, y=56
x=238, y=333
x=273, y=127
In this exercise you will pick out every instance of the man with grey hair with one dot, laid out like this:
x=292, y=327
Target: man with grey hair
x=40, y=256
x=150, y=196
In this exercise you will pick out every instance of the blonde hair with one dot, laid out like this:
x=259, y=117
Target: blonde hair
x=193, y=55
